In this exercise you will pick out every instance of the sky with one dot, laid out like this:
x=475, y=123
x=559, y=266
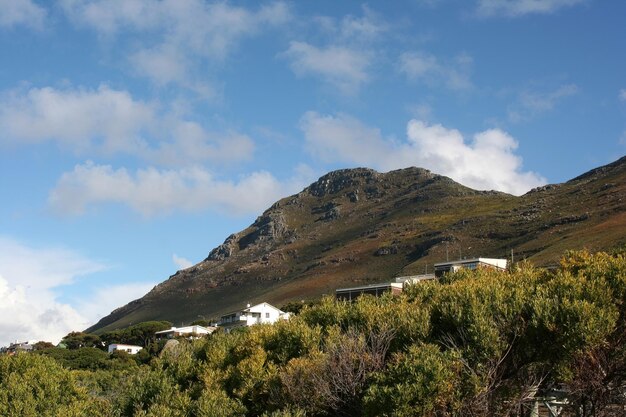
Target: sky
x=136, y=135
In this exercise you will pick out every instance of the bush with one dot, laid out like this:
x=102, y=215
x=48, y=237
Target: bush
x=34, y=385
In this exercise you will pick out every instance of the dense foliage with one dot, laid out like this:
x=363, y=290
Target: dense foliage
x=477, y=343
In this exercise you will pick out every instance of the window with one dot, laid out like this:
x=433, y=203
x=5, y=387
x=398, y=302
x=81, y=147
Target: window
x=267, y=315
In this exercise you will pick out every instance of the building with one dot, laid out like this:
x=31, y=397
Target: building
x=13, y=348
x=192, y=332
x=349, y=294
x=251, y=315
x=474, y=263
x=414, y=279
x=130, y=349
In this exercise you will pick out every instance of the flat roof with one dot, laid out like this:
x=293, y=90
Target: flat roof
x=415, y=277
x=184, y=329
x=371, y=286
x=491, y=261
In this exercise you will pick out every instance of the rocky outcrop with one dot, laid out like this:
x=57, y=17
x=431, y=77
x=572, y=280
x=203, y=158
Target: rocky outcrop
x=268, y=227
x=343, y=179
x=224, y=250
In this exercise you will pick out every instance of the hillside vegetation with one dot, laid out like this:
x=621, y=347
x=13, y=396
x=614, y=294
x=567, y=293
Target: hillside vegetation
x=358, y=226
x=477, y=343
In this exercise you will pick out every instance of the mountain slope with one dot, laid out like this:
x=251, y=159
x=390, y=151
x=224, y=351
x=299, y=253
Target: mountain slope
x=359, y=226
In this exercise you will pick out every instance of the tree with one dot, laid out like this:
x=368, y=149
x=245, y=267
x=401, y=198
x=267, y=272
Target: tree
x=77, y=340
x=141, y=334
x=420, y=382
x=41, y=345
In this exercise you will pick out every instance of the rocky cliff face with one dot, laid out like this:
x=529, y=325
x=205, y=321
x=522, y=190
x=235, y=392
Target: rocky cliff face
x=359, y=226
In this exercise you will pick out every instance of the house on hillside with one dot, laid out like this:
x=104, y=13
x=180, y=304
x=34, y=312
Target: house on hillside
x=13, y=348
x=192, y=332
x=349, y=294
x=251, y=315
x=414, y=279
x=474, y=263
x=130, y=349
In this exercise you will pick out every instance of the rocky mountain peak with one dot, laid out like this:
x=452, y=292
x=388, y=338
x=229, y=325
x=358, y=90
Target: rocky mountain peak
x=340, y=180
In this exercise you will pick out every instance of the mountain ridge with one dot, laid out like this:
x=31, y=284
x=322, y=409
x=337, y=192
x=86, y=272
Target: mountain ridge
x=358, y=226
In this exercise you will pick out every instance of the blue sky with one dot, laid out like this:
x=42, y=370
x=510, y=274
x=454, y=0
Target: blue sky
x=136, y=135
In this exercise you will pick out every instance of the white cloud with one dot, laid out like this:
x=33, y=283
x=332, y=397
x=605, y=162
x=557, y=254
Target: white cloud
x=172, y=34
x=488, y=161
x=29, y=281
x=367, y=27
x=21, y=12
x=42, y=268
x=515, y=8
x=181, y=263
x=76, y=118
x=622, y=94
x=162, y=64
x=108, y=122
x=532, y=103
x=344, y=61
x=455, y=74
x=28, y=276
x=353, y=29
x=342, y=67
x=151, y=191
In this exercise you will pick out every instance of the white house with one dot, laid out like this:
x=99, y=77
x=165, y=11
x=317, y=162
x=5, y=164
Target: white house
x=251, y=315
x=192, y=332
x=130, y=349
x=474, y=263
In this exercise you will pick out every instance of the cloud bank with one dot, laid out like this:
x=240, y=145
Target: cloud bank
x=107, y=122
x=171, y=36
x=345, y=61
x=488, y=161
x=151, y=191
x=28, y=277
x=343, y=67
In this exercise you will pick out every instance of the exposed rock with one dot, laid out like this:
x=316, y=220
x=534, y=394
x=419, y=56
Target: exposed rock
x=170, y=348
x=331, y=214
x=224, y=250
x=336, y=181
x=543, y=188
x=270, y=226
x=566, y=220
x=386, y=250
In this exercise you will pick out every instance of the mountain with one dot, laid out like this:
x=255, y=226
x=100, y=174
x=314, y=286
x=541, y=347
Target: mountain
x=358, y=226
